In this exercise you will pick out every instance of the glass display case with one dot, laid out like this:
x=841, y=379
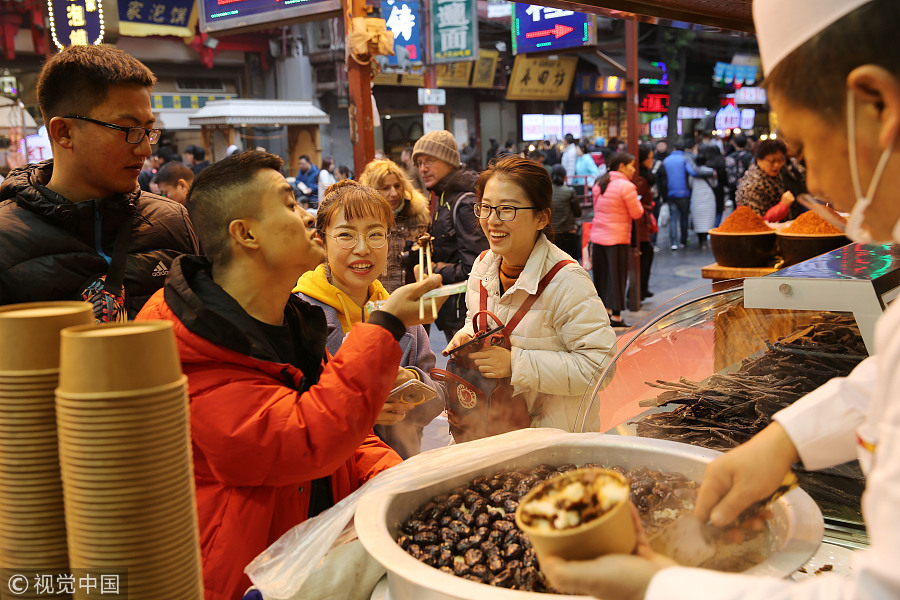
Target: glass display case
x=712, y=366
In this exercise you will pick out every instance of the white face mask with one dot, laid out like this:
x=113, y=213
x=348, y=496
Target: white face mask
x=856, y=229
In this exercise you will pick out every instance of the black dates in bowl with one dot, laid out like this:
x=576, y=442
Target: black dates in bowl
x=471, y=531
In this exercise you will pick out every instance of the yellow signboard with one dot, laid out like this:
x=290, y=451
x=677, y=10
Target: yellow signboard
x=413, y=80
x=453, y=74
x=485, y=69
x=541, y=78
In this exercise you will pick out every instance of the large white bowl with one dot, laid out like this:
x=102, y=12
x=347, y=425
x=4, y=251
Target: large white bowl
x=796, y=528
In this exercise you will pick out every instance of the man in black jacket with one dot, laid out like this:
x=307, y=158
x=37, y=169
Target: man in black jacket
x=60, y=219
x=458, y=238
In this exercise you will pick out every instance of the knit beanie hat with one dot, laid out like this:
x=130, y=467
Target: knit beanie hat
x=438, y=144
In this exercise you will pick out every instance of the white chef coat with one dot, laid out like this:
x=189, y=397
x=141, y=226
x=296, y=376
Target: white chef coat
x=857, y=415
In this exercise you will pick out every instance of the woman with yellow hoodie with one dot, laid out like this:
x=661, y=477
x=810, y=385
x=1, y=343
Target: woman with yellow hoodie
x=354, y=223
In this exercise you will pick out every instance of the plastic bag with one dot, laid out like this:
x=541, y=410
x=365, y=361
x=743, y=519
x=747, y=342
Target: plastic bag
x=663, y=219
x=283, y=567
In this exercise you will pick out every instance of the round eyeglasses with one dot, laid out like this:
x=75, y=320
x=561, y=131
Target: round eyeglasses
x=346, y=240
x=504, y=211
x=133, y=135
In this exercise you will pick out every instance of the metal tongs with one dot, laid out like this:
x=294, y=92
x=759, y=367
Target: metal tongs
x=691, y=543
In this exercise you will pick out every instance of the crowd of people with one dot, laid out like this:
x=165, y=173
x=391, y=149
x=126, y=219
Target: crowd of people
x=294, y=330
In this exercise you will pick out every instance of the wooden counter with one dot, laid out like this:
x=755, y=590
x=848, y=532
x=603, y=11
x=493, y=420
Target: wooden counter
x=718, y=273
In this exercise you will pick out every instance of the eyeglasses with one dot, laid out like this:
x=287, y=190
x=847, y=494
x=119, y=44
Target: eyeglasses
x=426, y=162
x=374, y=239
x=777, y=162
x=133, y=135
x=504, y=211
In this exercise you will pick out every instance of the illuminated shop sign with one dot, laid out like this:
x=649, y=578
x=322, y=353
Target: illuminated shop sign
x=541, y=28
x=599, y=86
x=82, y=22
x=404, y=20
x=544, y=127
x=657, y=103
x=220, y=16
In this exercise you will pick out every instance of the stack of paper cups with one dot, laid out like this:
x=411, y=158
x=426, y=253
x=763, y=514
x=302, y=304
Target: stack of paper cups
x=32, y=519
x=125, y=458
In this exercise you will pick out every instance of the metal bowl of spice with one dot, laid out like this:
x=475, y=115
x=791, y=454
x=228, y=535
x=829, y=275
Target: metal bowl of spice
x=807, y=236
x=743, y=240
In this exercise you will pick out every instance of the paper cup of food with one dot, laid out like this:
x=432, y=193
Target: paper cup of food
x=579, y=515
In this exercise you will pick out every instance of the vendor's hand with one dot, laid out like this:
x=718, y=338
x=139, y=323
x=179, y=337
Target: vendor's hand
x=459, y=339
x=787, y=198
x=404, y=302
x=618, y=576
x=744, y=475
x=393, y=412
x=493, y=362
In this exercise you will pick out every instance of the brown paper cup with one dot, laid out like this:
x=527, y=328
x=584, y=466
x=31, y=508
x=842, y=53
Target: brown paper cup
x=611, y=533
x=29, y=333
x=118, y=357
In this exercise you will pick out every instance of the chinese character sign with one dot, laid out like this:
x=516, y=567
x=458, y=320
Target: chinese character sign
x=541, y=78
x=454, y=31
x=541, y=28
x=404, y=20
x=157, y=17
x=80, y=22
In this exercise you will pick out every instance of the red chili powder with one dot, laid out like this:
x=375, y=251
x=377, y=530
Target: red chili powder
x=811, y=223
x=743, y=220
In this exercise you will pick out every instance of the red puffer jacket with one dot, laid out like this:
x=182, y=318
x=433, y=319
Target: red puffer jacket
x=258, y=442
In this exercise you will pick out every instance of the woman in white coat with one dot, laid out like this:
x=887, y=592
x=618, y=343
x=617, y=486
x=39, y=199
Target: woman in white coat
x=850, y=131
x=565, y=338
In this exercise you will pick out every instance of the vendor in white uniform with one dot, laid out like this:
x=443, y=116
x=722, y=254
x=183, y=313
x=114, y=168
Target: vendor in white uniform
x=833, y=77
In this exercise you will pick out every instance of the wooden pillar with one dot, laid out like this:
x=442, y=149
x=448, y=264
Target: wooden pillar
x=430, y=83
x=631, y=118
x=359, y=79
x=430, y=69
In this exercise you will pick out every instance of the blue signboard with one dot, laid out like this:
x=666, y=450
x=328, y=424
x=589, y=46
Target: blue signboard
x=155, y=13
x=541, y=28
x=79, y=23
x=218, y=16
x=403, y=18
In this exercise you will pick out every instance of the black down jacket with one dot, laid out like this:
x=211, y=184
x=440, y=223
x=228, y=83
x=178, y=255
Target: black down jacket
x=49, y=245
x=458, y=240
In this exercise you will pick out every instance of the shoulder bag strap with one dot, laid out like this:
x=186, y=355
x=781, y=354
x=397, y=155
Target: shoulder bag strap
x=526, y=306
x=116, y=273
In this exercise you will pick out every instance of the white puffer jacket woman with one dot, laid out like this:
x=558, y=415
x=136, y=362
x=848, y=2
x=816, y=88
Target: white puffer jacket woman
x=560, y=344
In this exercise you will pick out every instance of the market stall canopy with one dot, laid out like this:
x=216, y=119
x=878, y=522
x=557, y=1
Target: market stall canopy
x=259, y=113
x=11, y=115
x=725, y=14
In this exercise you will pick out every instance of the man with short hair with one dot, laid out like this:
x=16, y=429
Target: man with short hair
x=174, y=180
x=736, y=164
x=307, y=181
x=570, y=155
x=278, y=435
x=678, y=166
x=458, y=237
x=61, y=219
x=194, y=157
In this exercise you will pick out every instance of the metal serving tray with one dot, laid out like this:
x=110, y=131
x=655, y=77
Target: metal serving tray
x=796, y=528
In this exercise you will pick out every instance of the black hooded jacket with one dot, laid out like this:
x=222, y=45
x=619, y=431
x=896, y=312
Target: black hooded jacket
x=50, y=247
x=458, y=239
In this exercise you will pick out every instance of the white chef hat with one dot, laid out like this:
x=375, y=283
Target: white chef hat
x=782, y=27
